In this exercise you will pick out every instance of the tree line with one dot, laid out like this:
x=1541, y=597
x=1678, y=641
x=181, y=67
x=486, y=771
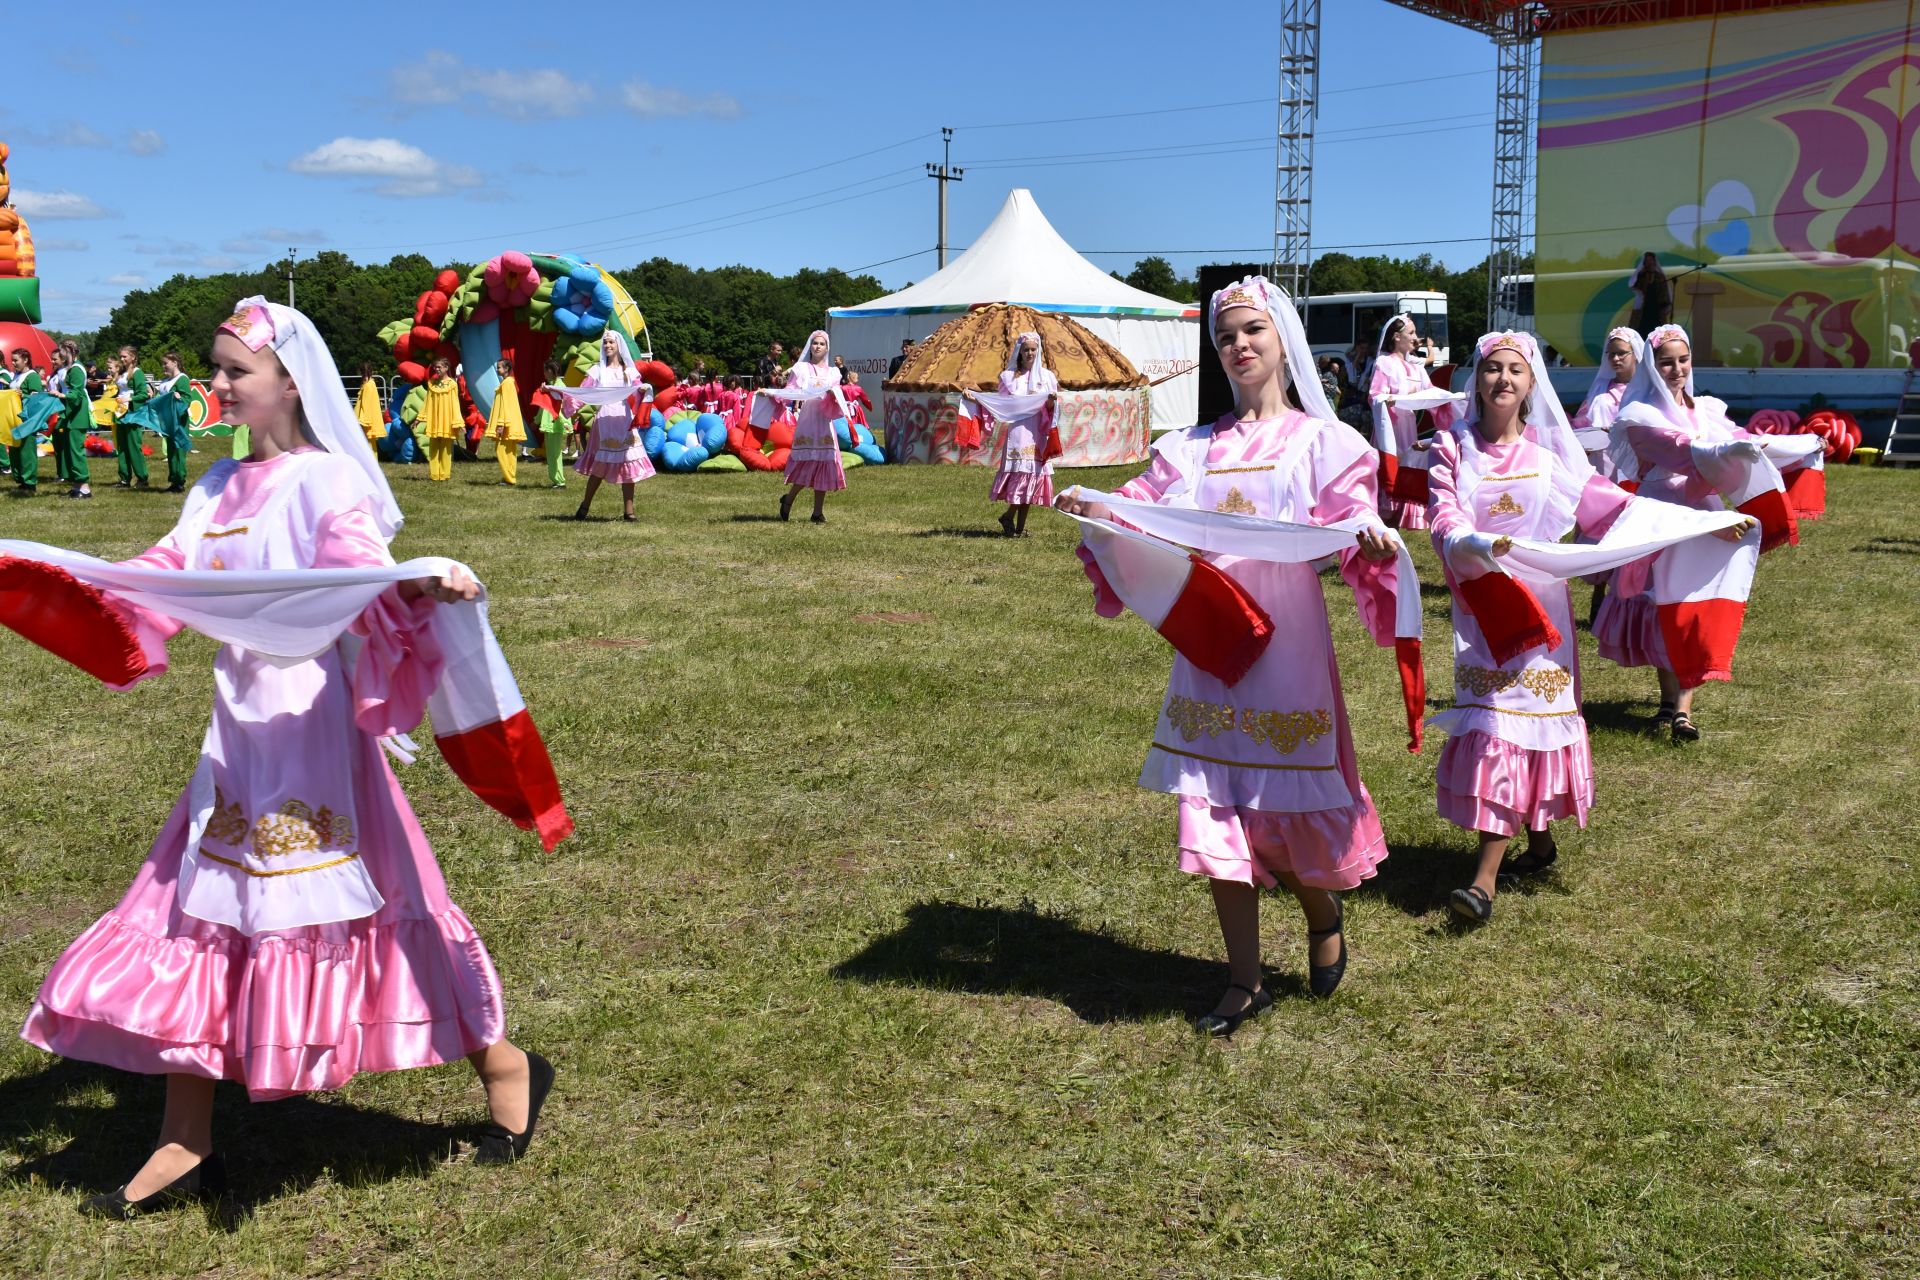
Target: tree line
x=723, y=316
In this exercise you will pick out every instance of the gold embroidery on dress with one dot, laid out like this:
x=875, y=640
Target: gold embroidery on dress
x=298, y=829
x=225, y=533
x=1284, y=731
x=1235, y=503
x=1506, y=506
x=1547, y=683
x=288, y=871
x=1193, y=718
x=228, y=824
x=1234, y=471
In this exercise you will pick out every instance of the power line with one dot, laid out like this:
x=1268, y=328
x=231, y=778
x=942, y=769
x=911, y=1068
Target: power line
x=1222, y=106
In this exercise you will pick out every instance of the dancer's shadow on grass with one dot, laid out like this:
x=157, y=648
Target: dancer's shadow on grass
x=1628, y=716
x=1889, y=547
x=272, y=1149
x=998, y=951
x=741, y=517
x=997, y=534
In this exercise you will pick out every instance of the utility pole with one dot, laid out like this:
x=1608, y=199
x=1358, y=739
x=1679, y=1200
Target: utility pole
x=289, y=276
x=944, y=172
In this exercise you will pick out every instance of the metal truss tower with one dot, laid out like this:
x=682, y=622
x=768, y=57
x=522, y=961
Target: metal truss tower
x=1516, y=40
x=1299, y=107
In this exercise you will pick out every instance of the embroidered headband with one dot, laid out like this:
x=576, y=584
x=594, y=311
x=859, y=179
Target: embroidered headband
x=1668, y=333
x=1519, y=343
x=254, y=326
x=1625, y=333
x=1251, y=292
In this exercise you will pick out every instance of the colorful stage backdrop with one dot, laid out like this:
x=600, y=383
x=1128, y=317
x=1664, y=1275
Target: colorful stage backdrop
x=1778, y=153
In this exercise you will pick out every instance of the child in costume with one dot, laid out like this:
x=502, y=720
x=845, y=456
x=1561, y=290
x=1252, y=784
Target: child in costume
x=166, y=412
x=505, y=425
x=134, y=393
x=366, y=409
x=1686, y=450
x=290, y=928
x=1396, y=430
x=815, y=462
x=441, y=417
x=1262, y=765
x=10, y=401
x=76, y=420
x=1025, y=476
x=23, y=444
x=1517, y=754
x=613, y=453
x=552, y=426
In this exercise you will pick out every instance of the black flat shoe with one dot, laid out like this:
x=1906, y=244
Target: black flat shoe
x=581, y=512
x=497, y=1146
x=786, y=506
x=1531, y=863
x=1006, y=523
x=1219, y=1025
x=1684, y=729
x=205, y=1181
x=1663, y=718
x=817, y=518
x=1471, y=903
x=1323, y=978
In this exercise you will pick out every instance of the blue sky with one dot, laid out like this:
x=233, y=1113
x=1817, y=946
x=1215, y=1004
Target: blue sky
x=716, y=134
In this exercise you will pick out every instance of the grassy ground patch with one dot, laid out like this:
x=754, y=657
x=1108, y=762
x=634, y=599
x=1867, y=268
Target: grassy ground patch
x=869, y=958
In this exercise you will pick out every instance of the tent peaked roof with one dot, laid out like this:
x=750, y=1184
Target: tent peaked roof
x=1021, y=259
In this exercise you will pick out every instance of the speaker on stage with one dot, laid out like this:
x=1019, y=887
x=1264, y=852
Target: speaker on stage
x=1216, y=392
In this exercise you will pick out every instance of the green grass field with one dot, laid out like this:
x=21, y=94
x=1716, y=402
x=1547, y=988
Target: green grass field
x=869, y=959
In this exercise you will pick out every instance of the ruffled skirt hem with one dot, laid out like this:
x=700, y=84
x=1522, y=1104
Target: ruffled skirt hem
x=824, y=476
x=1627, y=631
x=1022, y=488
x=1489, y=784
x=281, y=1013
x=614, y=472
x=1325, y=848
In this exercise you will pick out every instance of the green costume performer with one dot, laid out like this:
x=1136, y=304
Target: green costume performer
x=130, y=457
x=23, y=450
x=553, y=435
x=166, y=414
x=70, y=437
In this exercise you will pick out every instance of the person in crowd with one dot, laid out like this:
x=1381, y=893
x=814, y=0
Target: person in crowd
x=134, y=391
x=614, y=454
x=1025, y=476
x=815, y=462
x=442, y=420
x=1267, y=786
x=505, y=424
x=290, y=927
x=1652, y=295
x=893, y=365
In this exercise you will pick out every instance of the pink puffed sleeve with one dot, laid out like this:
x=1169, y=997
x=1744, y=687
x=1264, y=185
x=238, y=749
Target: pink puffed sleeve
x=151, y=629
x=1349, y=487
x=1601, y=503
x=1382, y=383
x=1447, y=515
x=400, y=662
x=1150, y=484
x=1661, y=447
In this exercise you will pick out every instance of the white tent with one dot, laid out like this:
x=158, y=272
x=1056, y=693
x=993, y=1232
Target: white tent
x=1021, y=259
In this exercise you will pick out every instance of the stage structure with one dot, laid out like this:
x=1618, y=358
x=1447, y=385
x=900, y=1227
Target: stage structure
x=1763, y=150
x=1299, y=108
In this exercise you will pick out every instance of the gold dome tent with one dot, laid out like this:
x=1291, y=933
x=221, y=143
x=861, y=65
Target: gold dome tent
x=1104, y=408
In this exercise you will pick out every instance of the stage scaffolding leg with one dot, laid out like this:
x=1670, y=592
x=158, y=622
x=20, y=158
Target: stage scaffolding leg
x=1515, y=43
x=1299, y=105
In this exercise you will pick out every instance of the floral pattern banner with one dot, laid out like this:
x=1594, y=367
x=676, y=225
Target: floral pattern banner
x=1771, y=161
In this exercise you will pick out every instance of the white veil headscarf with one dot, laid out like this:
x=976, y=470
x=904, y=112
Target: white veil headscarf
x=1603, y=376
x=1259, y=292
x=806, y=352
x=1380, y=343
x=1545, y=424
x=624, y=363
x=326, y=415
x=1650, y=389
x=1039, y=367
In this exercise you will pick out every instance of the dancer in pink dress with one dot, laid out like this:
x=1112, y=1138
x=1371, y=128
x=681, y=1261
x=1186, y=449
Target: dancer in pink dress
x=1267, y=787
x=1517, y=753
x=1396, y=429
x=1593, y=424
x=289, y=928
x=613, y=452
x=815, y=461
x=1685, y=450
x=1025, y=476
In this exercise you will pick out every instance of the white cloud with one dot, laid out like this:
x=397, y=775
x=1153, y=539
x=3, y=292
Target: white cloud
x=42, y=246
x=651, y=100
x=56, y=204
x=538, y=93
x=409, y=170
x=127, y=278
x=273, y=240
x=145, y=142
x=73, y=133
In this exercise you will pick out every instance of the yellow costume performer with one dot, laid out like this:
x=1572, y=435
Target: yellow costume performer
x=366, y=411
x=507, y=428
x=442, y=416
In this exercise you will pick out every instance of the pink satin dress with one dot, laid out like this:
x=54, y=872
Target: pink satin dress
x=1517, y=752
x=815, y=460
x=1025, y=474
x=299, y=774
x=1264, y=771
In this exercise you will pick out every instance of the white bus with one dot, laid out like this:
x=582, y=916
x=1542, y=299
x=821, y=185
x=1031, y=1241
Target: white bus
x=1513, y=305
x=1336, y=320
